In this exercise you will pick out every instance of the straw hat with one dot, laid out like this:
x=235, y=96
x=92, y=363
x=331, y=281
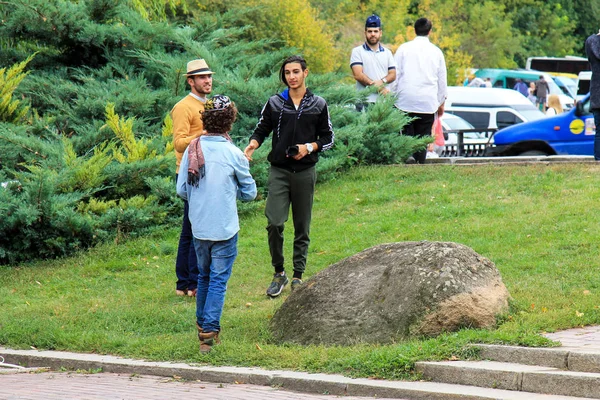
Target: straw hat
x=198, y=67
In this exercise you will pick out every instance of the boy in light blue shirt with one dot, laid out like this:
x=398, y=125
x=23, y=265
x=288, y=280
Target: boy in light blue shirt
x=213, y=174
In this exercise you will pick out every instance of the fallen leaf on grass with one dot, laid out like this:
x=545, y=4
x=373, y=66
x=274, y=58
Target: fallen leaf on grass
x=579, y=314
x=586, y=292
x=257, y=347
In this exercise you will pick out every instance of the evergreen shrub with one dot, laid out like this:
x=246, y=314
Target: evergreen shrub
x=86, y=156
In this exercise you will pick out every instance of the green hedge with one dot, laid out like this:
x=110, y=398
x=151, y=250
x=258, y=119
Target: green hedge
x=101, y=83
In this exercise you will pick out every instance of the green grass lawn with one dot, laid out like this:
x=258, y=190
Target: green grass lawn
x=537, y=223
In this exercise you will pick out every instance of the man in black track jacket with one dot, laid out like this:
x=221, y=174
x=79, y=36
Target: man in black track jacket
x=301, y=129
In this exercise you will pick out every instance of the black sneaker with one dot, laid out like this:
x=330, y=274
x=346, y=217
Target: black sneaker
x=277, y=285
x=296, y=283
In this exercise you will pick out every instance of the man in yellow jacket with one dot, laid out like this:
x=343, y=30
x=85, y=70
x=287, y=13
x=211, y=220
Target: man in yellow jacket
x=187, y=125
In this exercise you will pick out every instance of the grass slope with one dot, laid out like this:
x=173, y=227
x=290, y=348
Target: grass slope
x=535, y=222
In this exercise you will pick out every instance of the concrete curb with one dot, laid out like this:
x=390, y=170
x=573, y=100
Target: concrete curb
x=289, y=380
x=511, y=160
x=10, y=371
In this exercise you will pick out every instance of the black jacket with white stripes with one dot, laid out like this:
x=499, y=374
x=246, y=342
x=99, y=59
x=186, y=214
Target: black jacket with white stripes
x=309, y=123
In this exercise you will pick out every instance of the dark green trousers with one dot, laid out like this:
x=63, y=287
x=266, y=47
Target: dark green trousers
x=285, y=188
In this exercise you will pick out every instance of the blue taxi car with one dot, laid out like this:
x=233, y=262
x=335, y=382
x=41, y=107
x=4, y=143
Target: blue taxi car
x=568, y=133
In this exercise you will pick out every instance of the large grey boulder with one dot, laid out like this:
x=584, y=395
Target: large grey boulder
x=392, y=292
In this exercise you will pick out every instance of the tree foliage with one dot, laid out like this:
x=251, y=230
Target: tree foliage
x=85, y=133
x=94, y=160
x=472, y=34
x=12, y=109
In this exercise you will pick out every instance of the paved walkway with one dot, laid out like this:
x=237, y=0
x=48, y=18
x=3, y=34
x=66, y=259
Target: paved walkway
x=108, y=386
x=583, y=339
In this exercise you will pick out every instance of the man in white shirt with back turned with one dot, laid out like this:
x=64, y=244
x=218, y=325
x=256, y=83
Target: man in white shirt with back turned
x=421, y=86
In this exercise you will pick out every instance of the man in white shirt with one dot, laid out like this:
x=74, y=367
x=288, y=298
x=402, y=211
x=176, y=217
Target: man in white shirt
x=421, y=86
x=371, y=63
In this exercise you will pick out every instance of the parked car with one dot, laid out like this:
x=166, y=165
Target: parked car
x=571, y=132
x=490, y=108
x=507, y=78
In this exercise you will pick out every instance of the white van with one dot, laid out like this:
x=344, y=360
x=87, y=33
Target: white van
x=490, y=108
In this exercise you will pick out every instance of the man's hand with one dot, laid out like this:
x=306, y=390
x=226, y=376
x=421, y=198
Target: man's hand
x=249, y=150
x=440, y=110
x=302, y=152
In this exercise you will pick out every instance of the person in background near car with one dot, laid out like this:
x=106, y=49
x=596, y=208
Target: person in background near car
x=214, y=175
x=487, y=83
x=592, y=49
x=421, y=83
x=187, y=125
x=371, y=63
x=531, y=94
x=521, y=87
x=554, y=106
x=301, y=129
x=541, y=92
x=475, y=82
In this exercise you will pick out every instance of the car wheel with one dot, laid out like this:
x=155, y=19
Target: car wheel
x=533, y=153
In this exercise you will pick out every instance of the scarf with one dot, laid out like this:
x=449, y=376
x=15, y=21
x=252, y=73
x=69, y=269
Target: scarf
x=196, y=170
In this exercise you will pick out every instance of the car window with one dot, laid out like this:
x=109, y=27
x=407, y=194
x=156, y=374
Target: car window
x=554, y=89
x=506, y=118
x=479, y=120
x=583, y=86
x=529, y=112
x=457, y=123
x=585, y=107
x=567, y=85
x=511, y=82
x=473, y=135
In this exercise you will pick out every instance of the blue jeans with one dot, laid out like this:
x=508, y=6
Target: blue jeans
x=215, y=262
x=186, y=265
x=596, y=112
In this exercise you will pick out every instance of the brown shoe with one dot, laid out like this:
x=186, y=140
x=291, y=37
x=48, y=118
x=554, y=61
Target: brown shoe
x=208, y=340
x=181, y=292
x=199, y=331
